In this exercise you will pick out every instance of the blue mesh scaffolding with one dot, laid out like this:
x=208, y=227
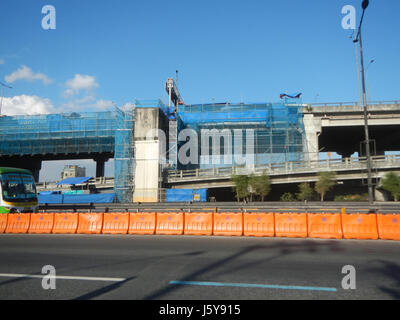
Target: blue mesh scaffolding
x=277, y=127
x=57, y=133
x=73, y=133
x=124, y=164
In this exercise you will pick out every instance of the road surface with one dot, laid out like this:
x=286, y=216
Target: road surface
x=191, y=268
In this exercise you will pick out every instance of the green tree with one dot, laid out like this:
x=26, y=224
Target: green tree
x=391, y=183
x=288, y=197
x=305, y=192
x=325, y=182
x=240, y=186
x=260, y=185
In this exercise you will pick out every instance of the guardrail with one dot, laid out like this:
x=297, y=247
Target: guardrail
x=297, y=167
x=99, y=181
x=326, y=104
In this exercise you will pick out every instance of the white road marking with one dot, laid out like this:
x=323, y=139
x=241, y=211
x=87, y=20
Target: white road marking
x=16, y=275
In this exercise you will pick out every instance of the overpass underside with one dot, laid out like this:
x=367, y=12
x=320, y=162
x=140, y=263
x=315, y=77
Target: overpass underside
x=345, y=140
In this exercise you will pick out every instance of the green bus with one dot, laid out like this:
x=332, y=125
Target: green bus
x=18, y=191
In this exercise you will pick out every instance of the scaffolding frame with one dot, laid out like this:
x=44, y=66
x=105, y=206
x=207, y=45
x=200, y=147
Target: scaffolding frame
x=87, y=132
x=279, y=134
x=124, y=163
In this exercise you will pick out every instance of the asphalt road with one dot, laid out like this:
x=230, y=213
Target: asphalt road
x=209, y=268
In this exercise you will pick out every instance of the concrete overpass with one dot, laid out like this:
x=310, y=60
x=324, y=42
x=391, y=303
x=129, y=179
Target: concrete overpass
x=287, y=173
x=339, y=127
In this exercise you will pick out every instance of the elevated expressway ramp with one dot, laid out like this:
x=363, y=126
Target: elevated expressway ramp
x=283, y=173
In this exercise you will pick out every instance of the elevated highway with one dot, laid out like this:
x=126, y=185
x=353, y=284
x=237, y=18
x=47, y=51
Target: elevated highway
x=339, y=127
x=282, y=173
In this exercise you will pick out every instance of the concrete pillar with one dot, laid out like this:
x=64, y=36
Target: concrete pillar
x=312, y=126
x=35, y=167
x=100, y=165
x=151, y=140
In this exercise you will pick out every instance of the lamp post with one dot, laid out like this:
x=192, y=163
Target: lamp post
x=358, y=39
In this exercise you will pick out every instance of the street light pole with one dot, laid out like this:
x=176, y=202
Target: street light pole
x=367, y=142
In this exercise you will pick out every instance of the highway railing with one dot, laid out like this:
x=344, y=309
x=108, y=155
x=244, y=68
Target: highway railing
x=340, y=104
x=297, y=167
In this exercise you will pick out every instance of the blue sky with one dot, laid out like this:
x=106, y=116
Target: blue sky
x=224, y=50
x=105, y=52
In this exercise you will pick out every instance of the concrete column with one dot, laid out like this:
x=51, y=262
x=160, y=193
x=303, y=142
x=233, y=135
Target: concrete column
x=100, y=164
x=151, y=128
x=312, y=126
x=35, y=167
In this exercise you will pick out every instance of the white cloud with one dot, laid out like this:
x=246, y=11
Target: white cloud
x=104, y=104
x=80, y=82
x=25, y=73
x=26, y=105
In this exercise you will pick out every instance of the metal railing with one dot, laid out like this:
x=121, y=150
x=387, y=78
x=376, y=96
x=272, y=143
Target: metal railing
x=353, y=103
x=297, y=167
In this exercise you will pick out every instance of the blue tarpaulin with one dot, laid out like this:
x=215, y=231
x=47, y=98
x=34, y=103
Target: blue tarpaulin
x=186, y=195
x=78, y=180
x=76, y=198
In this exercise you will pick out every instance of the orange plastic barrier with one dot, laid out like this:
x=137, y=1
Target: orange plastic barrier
x=142, y=223
x=65, y=223
x=90, y=223
x=359, y=226
x=116, y=223
x=259, y=224
x=170, y=223
x=41, y=223
x=325, y=226
x=292, y=225
x=18, y=222
x=228, y=224
x=199, y=223
x=3, y=222
x=388, y=226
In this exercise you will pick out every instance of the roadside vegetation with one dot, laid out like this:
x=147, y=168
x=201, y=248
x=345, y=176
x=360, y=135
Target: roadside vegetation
x=391, y=182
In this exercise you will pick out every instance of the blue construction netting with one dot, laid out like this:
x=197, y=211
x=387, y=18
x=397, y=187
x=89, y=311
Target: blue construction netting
x=124, y=164
x=89, y=132
x=186, y=195
x=78, y=198
x=276, y=130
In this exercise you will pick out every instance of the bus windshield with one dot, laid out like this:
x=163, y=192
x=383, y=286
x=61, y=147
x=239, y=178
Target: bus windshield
x=18, y=187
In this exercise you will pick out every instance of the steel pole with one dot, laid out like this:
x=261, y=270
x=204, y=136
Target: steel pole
x=367, y=145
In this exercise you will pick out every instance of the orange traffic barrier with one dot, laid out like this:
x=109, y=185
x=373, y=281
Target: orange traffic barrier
x=142, y=223
x=325, y=226
x=388, y=226
x=90, y=223
x=359, y=226
x=3, y=222
x=115, y=223
x=228, y=224
x=199, y=223
x=65, y=223
x=41, y=223
x=170, y=223
x=18, y=222
x=259, y=224
x=292, y=225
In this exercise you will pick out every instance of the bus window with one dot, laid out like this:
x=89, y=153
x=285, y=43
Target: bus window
x=18, y=187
